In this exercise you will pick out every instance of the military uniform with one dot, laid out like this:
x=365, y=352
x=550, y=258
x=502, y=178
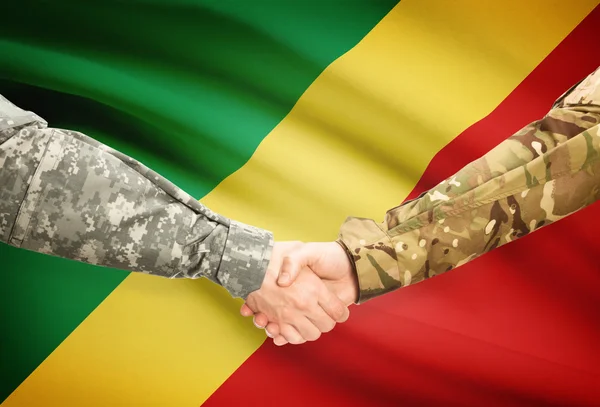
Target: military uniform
x=65, y=194
x=539, y=175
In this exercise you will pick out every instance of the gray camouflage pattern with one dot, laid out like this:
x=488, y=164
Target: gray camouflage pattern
x=65, y=194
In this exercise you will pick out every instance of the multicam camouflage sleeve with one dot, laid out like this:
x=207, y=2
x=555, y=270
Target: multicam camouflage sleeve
x=541, y=174
x=65, y=194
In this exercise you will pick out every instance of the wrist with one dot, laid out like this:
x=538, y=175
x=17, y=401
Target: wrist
x=351, y=286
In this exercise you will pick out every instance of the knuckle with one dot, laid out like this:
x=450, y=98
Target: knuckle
x=294, y=339
x=271, y=331
x=287, y=332
x=287, y=264
x=328, y=327
x=257, y=323
x=338, y=312
x=301, y=302
x=303, y=305
x=251, y=302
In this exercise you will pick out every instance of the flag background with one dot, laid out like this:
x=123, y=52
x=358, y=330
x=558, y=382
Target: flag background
x=339, y=108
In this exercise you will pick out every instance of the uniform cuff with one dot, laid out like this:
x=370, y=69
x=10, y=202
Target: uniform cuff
x=245, y=259
x=374, y=257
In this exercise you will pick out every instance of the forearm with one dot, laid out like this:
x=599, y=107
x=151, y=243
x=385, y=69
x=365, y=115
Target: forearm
x=537, y=176
x=68, y=195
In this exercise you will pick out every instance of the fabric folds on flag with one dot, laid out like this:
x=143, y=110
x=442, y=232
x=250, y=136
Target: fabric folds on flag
x=292, y=116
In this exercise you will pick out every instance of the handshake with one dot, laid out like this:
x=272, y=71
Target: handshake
x=306, y=290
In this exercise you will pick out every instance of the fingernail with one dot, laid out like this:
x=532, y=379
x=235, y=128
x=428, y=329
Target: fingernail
x=284, y=277
x=268, y=334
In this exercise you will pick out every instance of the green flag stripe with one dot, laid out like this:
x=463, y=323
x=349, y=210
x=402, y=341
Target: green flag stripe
x=188, y=87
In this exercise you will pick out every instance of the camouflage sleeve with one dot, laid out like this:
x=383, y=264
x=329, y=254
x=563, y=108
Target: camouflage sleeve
x=65, y=194
x=541, y=174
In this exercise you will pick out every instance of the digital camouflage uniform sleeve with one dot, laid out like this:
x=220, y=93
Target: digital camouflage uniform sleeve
x=541, y=174
x=65, y=194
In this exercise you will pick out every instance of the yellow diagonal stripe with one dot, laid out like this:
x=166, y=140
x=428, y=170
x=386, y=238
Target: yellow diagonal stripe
x=355, y=144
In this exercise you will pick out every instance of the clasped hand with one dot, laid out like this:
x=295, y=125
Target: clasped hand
x=307, y=290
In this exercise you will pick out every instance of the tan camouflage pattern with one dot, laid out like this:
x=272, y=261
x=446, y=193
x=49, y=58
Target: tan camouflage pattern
x=539, y=175
x=65, y=194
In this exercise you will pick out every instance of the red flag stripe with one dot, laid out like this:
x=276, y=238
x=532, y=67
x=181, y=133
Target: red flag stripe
x=518, y=326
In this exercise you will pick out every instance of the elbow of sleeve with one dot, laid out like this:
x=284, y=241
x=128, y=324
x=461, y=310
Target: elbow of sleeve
x=245, y=259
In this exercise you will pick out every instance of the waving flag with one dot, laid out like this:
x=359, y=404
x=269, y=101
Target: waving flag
x=291, y=116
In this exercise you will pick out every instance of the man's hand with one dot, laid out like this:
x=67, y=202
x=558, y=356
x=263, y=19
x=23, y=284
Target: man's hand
x=302, y=311
x=328, y=260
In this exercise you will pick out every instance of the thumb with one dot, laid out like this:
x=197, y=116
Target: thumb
x=291, y=266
